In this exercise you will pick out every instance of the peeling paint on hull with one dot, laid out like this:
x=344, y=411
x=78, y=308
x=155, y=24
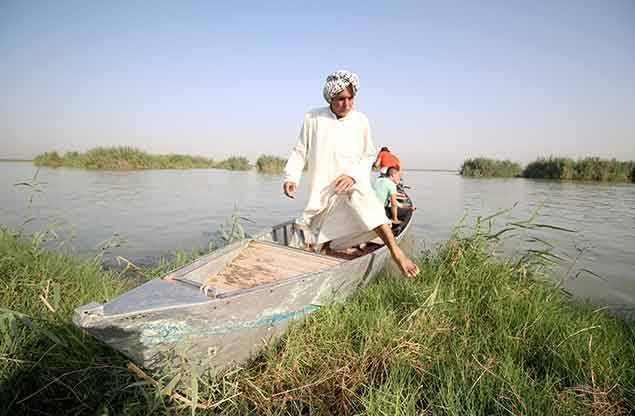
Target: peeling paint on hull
x=160, y=332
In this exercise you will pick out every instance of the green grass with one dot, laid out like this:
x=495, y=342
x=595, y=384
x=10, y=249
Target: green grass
x=126, y=158
x=472, y=335
x=46, y=365
x=270, y=164
x=484, y=167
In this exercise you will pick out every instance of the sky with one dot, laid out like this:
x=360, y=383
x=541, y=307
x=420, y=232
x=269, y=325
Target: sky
x=439, y=81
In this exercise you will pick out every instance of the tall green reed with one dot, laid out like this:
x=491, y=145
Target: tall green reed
x=485, y=167
x=590, y=168
x=270, y=164
x=126, y=157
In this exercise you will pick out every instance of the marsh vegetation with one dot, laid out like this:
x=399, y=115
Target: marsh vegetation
x=234, y=163
x=588, y=169
x=128, y=158
x=471, y=335
x=270, y=164
x=485, y=167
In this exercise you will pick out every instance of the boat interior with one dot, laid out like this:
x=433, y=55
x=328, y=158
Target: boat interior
x=259, y=261
x=270, y=257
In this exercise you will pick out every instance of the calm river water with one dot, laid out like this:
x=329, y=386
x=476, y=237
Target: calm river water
x=157, y=212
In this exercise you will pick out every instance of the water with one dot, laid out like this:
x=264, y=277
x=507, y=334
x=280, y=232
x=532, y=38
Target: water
x=157, y=212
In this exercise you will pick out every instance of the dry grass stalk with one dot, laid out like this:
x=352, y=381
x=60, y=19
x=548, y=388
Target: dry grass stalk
x=139, y=373
x=47, y=304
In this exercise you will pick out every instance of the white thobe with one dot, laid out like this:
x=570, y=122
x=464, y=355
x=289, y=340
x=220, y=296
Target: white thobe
x=330, y=147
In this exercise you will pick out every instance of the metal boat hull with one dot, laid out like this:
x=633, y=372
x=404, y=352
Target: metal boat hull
x=165, y=321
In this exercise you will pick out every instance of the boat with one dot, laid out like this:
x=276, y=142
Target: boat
x=258, y=286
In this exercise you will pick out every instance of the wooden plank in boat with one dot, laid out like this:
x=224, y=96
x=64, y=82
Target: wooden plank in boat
x=262, y=262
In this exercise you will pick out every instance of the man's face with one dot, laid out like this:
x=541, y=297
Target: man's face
x=343, y=102
x=396, y=177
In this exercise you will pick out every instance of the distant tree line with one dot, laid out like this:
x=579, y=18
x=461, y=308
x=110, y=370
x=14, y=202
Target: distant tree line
x=129, y=158
x=590, y=168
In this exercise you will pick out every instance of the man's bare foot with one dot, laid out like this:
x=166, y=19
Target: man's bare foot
x=407, y=266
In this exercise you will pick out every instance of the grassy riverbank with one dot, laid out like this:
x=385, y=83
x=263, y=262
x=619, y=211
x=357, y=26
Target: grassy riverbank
x=588, y=169
x=270, y=164
x=471, y=336
x=127, y=158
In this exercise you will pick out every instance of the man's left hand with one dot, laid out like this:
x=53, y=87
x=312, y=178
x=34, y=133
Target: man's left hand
x=343, y=183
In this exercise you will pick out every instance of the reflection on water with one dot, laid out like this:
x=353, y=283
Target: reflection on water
x=157, y=212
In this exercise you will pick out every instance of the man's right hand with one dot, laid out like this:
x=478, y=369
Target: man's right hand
x=289, y=189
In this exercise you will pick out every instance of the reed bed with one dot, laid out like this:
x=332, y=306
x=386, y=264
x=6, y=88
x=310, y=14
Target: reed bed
x=128, y=158
x=270, y=164
x=485, y=167
x=471, y=335
x=588, y=169
x=234, y=163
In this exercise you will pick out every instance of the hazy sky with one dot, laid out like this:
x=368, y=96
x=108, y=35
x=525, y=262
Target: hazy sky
x=440, y=81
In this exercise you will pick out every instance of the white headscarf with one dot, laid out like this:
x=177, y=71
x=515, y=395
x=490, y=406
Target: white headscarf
x=337, y=81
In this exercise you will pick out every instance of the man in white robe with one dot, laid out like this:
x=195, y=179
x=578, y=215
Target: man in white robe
x=335, y=146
